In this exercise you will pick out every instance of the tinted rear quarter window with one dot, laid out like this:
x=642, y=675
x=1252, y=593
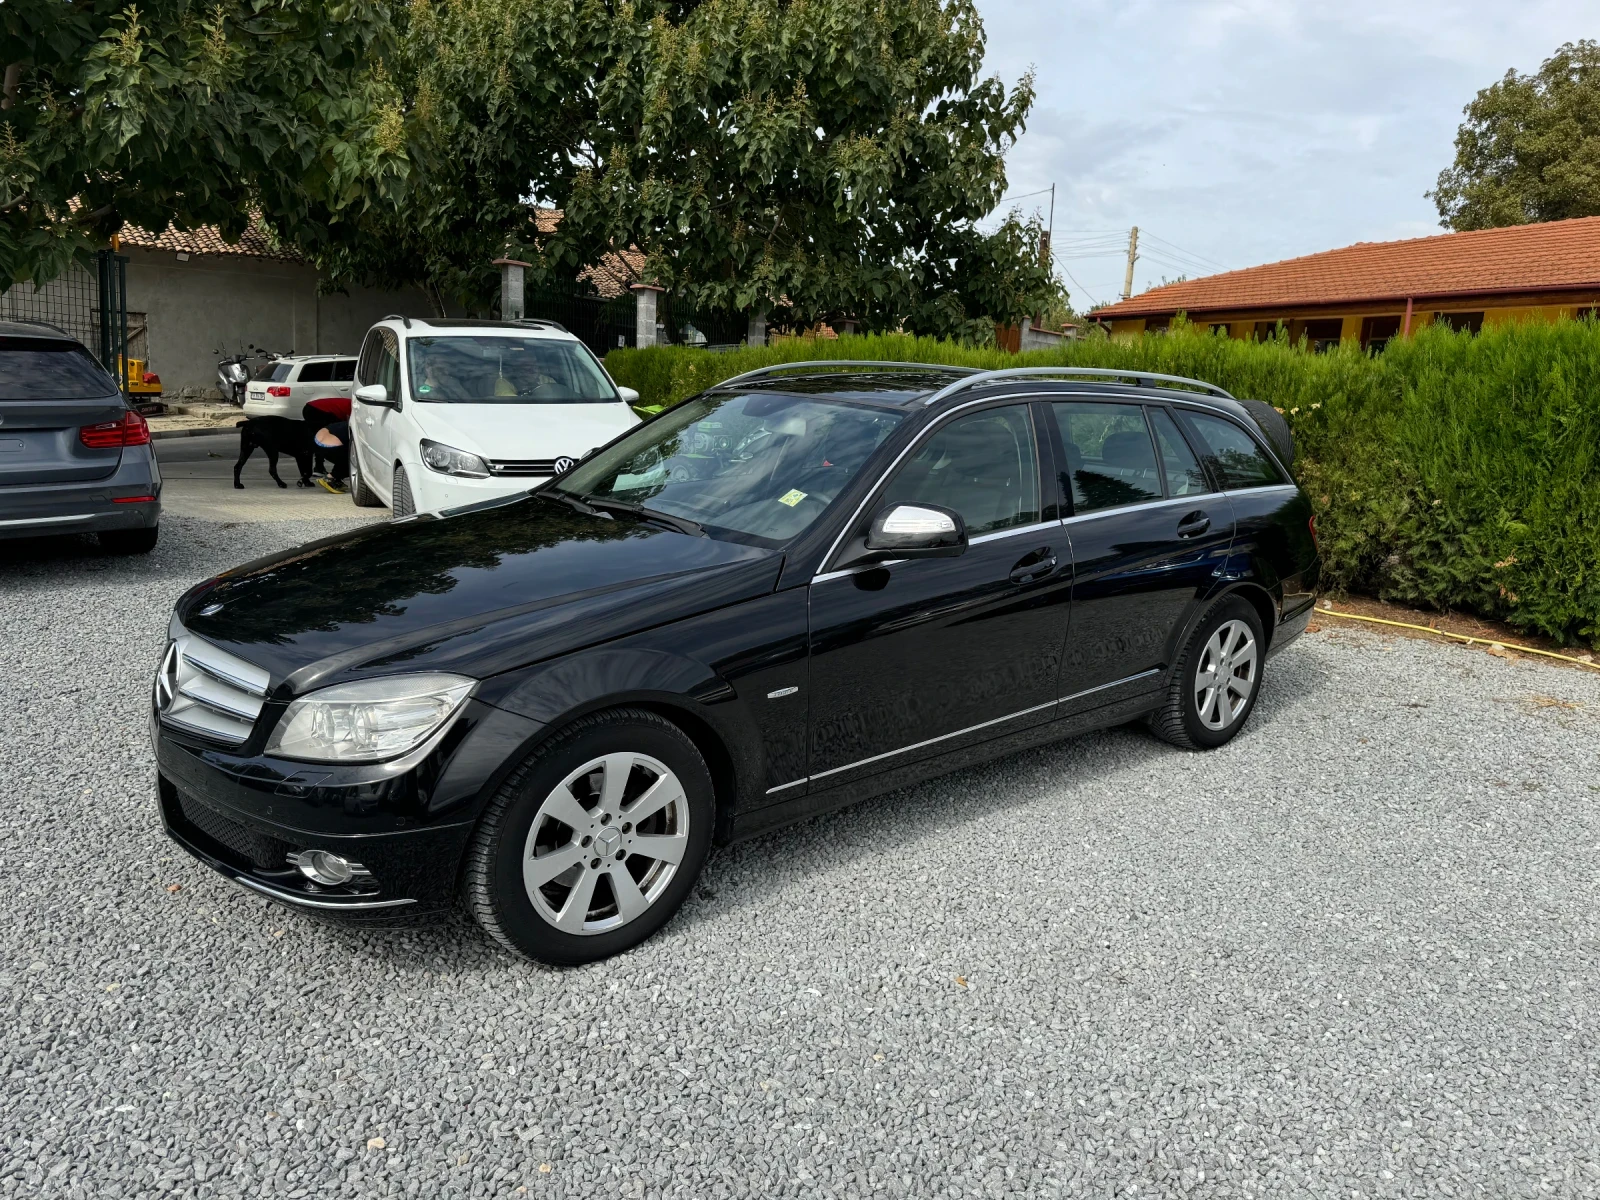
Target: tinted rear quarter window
x=1238, y=461
x=46, y=369
x=343, y=371
x=1110, y=461
x=315, y=372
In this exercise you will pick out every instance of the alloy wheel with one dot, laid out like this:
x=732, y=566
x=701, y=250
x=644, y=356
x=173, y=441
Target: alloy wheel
x=1226, y=676
x=605, y=843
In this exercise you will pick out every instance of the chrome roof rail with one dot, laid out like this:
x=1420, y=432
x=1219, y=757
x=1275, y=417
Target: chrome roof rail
x=834, y=364
x=1141, y=378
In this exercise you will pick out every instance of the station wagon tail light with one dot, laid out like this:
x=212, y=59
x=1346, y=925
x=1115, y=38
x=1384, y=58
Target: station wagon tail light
x=278, y=390
x=1313, y=526
x=131, y=430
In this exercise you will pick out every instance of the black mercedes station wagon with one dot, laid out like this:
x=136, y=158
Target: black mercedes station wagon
x=808, y=585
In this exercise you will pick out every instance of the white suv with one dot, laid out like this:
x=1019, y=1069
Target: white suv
x=284, y=386
x=450, y=412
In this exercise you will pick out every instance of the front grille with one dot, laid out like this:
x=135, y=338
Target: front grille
x=262, y=851
x=208, y=691
x=522, y=466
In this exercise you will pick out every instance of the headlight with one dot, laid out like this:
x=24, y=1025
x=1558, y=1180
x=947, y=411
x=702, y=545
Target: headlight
x=447, y=460
x=368, y=721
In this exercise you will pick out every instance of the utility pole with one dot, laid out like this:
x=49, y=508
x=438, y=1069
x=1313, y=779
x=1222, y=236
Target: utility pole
x=1133, y=256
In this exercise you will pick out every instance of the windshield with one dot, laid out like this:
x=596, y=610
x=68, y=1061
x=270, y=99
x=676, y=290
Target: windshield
x=765, y=467
x=506, y=370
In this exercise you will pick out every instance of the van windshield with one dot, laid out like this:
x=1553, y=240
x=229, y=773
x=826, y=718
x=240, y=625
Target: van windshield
x=506, y=370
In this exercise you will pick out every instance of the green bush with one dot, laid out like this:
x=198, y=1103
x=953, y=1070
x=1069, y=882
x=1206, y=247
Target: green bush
x=1452, y=471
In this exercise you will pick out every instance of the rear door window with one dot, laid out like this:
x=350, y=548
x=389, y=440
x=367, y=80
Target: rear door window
x=1238, y=461
x=47, y=369
x=1110, y=459
x=1178, y=462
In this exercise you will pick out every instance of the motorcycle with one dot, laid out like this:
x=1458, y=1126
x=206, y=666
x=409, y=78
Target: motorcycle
x=233, y=372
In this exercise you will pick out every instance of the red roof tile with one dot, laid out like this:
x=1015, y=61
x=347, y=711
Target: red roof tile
x=1550, y=257
x=208, y=239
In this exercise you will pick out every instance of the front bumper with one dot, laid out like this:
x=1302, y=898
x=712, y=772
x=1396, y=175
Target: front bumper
x=47, y=509
x=432, y=491
x=407, y=822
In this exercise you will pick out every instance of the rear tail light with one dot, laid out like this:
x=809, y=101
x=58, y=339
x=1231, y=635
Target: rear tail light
x=145, y=499
x=132, y=430
x=1312, y=524
x=279, y=391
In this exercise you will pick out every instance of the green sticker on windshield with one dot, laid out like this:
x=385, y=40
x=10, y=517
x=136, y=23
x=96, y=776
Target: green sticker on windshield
x=791, y=498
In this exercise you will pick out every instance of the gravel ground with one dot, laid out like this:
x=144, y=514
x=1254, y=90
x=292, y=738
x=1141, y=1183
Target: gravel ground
x=1351, y=954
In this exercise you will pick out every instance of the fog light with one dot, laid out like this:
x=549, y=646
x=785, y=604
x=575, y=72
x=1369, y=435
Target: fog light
x=326, y=868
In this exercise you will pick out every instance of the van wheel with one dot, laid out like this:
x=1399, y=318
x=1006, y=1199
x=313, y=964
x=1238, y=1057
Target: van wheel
x=594, y=841
x=403, y=505
x=130, y=541
x=1217, y=678
x=360, y=493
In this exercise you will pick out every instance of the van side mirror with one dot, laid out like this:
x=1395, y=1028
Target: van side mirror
x=916, y=531
x=629, y=395
x=375, y=394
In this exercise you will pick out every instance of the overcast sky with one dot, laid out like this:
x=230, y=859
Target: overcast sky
x=1241, y=132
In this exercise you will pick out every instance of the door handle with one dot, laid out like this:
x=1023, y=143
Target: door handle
x=1194, y=525
x=1034, y=566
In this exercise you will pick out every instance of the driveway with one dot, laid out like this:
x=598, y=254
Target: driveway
x=1352, y=953
x=197, y=478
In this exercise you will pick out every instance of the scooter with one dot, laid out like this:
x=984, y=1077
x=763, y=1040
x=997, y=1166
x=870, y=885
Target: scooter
x=233, y=372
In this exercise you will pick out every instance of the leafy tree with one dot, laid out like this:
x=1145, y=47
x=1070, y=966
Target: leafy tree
x=1529, y=149
x=191, y=112
x=824, y=155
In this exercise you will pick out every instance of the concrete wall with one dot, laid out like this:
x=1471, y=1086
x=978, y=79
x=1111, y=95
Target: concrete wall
x=213, y=301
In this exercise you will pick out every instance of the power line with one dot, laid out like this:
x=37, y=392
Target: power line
x=1178, y=251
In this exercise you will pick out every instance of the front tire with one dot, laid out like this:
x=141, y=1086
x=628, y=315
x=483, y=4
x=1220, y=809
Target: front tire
x=1216, y=680
x=594, y=841
x=404, y=505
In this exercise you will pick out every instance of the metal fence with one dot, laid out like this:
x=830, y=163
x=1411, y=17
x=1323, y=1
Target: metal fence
x=601, y=324
x=679, y=323
x=91, y=305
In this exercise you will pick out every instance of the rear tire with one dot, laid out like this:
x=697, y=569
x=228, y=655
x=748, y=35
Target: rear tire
x=360, y=493
x=130, y=541
x=404, y=505
x=594, y=841
x=1215, y=682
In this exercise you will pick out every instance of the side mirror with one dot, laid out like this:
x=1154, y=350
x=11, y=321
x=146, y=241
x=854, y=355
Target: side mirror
x=375, y=394
x=917, y=531
x=629, y=395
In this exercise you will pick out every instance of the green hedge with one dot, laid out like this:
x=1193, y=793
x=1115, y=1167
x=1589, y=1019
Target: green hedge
x=1452, y=471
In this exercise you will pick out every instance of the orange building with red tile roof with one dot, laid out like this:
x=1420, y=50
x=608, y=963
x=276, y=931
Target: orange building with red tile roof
x=1372, y=291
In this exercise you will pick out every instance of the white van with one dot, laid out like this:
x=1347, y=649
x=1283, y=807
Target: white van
x=451, y=412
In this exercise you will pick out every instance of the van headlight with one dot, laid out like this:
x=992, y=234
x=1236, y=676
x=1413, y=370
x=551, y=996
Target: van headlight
x=370, y=720
x=447, y=460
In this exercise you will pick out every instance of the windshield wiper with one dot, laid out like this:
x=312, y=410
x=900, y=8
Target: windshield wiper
x=681, y=524
x=571, y=501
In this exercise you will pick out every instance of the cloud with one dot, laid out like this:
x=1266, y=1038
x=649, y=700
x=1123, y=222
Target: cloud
x=1247, y=131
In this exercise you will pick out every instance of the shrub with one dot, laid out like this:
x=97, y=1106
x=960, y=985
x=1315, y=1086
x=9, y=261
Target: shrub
x=1451, y=471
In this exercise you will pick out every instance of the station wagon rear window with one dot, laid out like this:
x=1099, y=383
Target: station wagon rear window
x=47, y=369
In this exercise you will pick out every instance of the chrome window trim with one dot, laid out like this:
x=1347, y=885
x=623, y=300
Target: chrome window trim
x=889, y=470
x=1143, y=505
x=998, y=534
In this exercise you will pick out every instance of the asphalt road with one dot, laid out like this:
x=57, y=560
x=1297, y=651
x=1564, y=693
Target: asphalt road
x=1353, y=953
x=197, y=477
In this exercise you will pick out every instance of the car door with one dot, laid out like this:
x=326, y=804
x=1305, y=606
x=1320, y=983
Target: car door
x=377, y=427
x=913, y=658
x=1147, y=536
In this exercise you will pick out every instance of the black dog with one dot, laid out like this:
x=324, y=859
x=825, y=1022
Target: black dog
x=276, y=435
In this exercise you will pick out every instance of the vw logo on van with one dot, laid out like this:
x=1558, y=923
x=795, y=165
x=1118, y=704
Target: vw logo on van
x=563, y=465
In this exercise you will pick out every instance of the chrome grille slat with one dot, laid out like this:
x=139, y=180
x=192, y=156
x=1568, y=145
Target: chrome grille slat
x=206, y=690
x=522, y=466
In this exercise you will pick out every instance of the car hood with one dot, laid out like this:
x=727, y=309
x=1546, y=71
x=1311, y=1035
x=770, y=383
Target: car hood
x=502, y=431
x=479, y=591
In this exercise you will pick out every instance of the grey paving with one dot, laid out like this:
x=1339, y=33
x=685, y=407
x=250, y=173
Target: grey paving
x=1352, y=954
